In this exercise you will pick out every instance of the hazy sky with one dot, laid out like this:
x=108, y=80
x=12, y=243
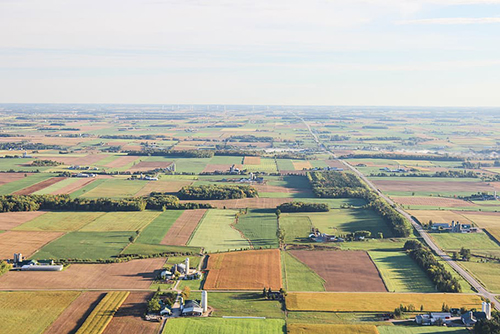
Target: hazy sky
x=327, y=52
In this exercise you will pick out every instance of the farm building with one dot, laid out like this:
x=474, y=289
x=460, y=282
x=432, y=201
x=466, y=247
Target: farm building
x=470, y=318
x=433, y=318
x=32, y=265
x=455, y=227
x=192, y=308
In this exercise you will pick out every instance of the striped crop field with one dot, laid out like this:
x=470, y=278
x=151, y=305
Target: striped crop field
x=103, y=313
x=331, y=329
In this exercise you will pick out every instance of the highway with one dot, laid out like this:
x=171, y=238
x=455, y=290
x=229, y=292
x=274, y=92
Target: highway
x=423, y=234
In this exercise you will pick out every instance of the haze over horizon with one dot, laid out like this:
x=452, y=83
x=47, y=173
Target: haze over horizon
x=339, y=52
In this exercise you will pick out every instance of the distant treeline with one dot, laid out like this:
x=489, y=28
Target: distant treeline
x=210, y=154
x=140, y=137
x=402, y=157
x=14, y=203
x=303, y=207
x=346, y=185
x=435, y=270
x=444, y=174
x=24, y=145
x=45, y=163
x=216, y=192
x=250, y=139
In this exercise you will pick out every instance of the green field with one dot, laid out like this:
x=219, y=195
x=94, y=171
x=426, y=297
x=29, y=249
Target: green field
x=56, y=186
x=224, y=326
x=214, y=233
x=250, y=304
x=455, y=241
x=190, y=165
x=85, y=245
x=297, y=227
x=147, y=249
x=420, y=330
x=393, y=244
x=259, y=226
x=400, y=273
x=266, y=165
x=18, y=164
x=60, y=221
x=488, y=273
x=87, y=188
x=114, y=188
x=23, y=183
x=122, y=221
x=156, y=230
x=32, y=312
x=299, y=277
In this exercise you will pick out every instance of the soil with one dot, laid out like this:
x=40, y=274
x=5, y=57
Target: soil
x=39, y=186
x=9, y=220
x=25, y=242
x=180, y=232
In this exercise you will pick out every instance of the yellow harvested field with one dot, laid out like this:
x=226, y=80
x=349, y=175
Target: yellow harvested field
x=376, y=302
x=300, y=165
x=438, y=216
x=103, y=313
x=251, y=161
x=490, y=221
x=330, y=329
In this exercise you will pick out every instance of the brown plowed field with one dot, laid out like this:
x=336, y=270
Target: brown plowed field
x=247, y=270
x=251, y=161
x=74, y=186
x=432, y=201
x=348, y=271
x=39, y=186
x=144, y=166
x=9, y=220
x=136, y=274
x=335, y=163
x=86, y=160
x=435, y=186
x=24, y=242
x=10, y=177
x=251, y=203
x=73, y=317
x=129, y=319
x=163, y=186
x=180, y=232
x=122, y=161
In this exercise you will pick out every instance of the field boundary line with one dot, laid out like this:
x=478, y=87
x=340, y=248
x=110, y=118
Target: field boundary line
x=378, y=270
x=196, y=228
x=310, y=269
x=233, y=226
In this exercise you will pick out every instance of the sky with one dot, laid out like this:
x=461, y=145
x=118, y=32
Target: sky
x=279, y=52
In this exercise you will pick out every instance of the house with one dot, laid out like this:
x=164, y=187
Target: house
x=166, y=275
x=192, y=308
x=432, y=318
x=470, y=318
x=440, y=226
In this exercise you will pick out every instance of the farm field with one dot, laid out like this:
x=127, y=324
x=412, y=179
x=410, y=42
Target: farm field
x=299, y=277
x=39, y=186
x=414, y=201
x=114, y=188
x=351, y=271
x=135, y=274
x=75, y=314
x=473, y=241
x=22, y=183
x=24, y=242
x=183, y=227
x=420, y=330
x=297, y=227
x=154, y=232
x=400, y=273
x=259, y=226
x=129, y=317
x=65, y=187
x=100, y=317
x=83, y=245
x=224, y=326
x=376, y=302
x=34, y=310
x=243, y=203
x=121, y=221
x=162, y=186
x=438, y=216
x=245, y=304
x=487, y=273
x=215, y=233
x=247, y=270
x=331, y=329
x=489, y=221
x=10, y=220
x=60, y=221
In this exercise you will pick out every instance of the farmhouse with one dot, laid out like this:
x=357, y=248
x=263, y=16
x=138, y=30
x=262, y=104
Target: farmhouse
x=470, y=318
x=455, y=227
x=195, y=308
x=433, y=318
x=32, y=265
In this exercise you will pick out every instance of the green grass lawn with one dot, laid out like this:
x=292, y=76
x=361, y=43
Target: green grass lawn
x=60, y=221
x=299, y=277
x=488, y=273
x=156, y=230
x=224, y=326
x=214, y=233
x=400, y=273
x=114, y=188
x=85, y=245
x=259, y=225
x=122, y=221
x=297, y=228
x=29, y=180
x=455, y=241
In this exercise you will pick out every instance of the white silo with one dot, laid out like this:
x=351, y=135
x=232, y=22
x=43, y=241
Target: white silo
x=486, y=308
x=204, y=300
x=187, y=266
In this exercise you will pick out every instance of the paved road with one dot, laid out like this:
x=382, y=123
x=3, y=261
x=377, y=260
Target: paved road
x=469, y=278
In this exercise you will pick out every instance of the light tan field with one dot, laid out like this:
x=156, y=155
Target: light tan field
x=490, y=221
x=247, y=270
x=135, y=274
x=25, y=242
x=300, y=165
x=432, y=201
x=11, y=177
x=74, y=186
x=39, y=186
x=180, y=232
x=252, y=203
x=122, y=161
x=162, y=186
x=251, y=161
x=10, y=220
x=438, y=216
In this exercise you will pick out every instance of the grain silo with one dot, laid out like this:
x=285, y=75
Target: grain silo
x=204, y=301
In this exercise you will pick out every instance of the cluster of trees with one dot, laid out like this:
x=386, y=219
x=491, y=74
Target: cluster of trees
x=154, y=304
x=44, y=163
x=25, y=145
x=144, y=137
x=303, y=207
x=347, y=185
x=444, y=174
x=173, y=153
x=217, y=192
x=4, y=267
x=250, y=139
x=156, y=201
x=423, y=256
x=402, y=157
x=491, y=326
